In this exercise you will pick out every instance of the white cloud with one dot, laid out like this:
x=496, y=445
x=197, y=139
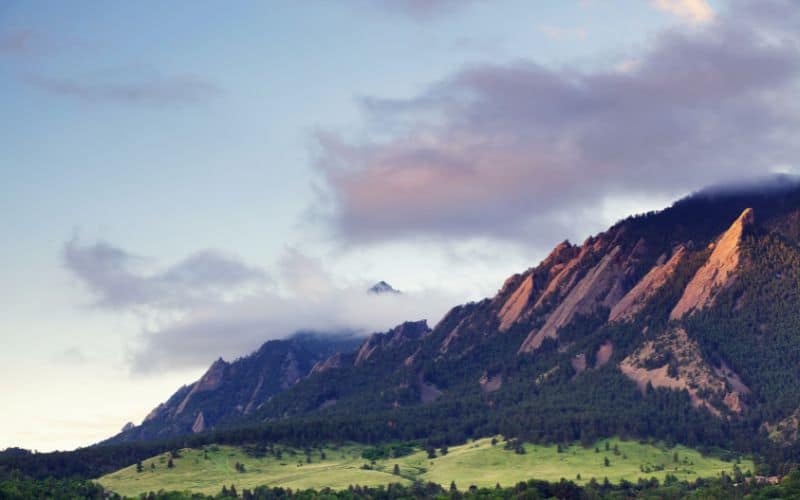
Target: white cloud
x=114, y=276
x=520, y=151
x=196, y=313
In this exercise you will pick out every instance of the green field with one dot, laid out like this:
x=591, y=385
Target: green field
x=479, y=463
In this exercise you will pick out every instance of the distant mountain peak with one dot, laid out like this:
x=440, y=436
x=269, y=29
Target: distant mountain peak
x=381, y=288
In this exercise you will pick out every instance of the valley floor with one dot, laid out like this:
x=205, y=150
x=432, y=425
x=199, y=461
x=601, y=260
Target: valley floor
x=477, y=463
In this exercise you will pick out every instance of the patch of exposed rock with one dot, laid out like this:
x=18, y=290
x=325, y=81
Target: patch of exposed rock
x=564, y=276
x=717, y=272
x=544, y=377
x=785, y=431
x=409, y=361
x=199, y=423
x=651, y=364
x=327, y=403
x=210, y=381
x=251, y=403
x=452, y=336
x=578, y=363
x=525, y=292
x=603, y=354
x=428, y=392
x=515, y=304
x=331, y=363
x=291, y=373
x=600, y=286
x=404, y=333
x=638, y=296
x=491, y=383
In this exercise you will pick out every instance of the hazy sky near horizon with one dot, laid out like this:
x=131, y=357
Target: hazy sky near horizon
x=186, y=180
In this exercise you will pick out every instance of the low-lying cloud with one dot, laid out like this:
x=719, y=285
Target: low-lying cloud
x=517, y=151
x=216, y=318
x=237, y=328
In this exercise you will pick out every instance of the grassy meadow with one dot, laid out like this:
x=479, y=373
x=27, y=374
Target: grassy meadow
x=476, y=463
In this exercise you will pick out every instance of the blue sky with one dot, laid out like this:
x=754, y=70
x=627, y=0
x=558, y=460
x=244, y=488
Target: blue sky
x=185, y=180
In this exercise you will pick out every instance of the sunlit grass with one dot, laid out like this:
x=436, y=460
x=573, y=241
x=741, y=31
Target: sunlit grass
x=476, y=463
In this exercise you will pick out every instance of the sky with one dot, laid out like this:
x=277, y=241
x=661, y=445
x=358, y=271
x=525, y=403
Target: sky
x=185, y=180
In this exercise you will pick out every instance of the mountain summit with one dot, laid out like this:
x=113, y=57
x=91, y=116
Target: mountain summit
x=381, y=288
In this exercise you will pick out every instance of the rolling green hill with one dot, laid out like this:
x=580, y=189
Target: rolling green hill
x=477, y=463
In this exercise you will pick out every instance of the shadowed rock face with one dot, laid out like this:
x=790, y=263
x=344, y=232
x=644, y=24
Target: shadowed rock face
x=428, y=393
x=407, y=332
x=331, y=363
x=645, y=290
x=210, y=381
x=228, y=391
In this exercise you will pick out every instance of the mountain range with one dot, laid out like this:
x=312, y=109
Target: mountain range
x=679, y=324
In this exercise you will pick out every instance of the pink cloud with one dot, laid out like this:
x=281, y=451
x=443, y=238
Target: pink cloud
x=506, y=150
